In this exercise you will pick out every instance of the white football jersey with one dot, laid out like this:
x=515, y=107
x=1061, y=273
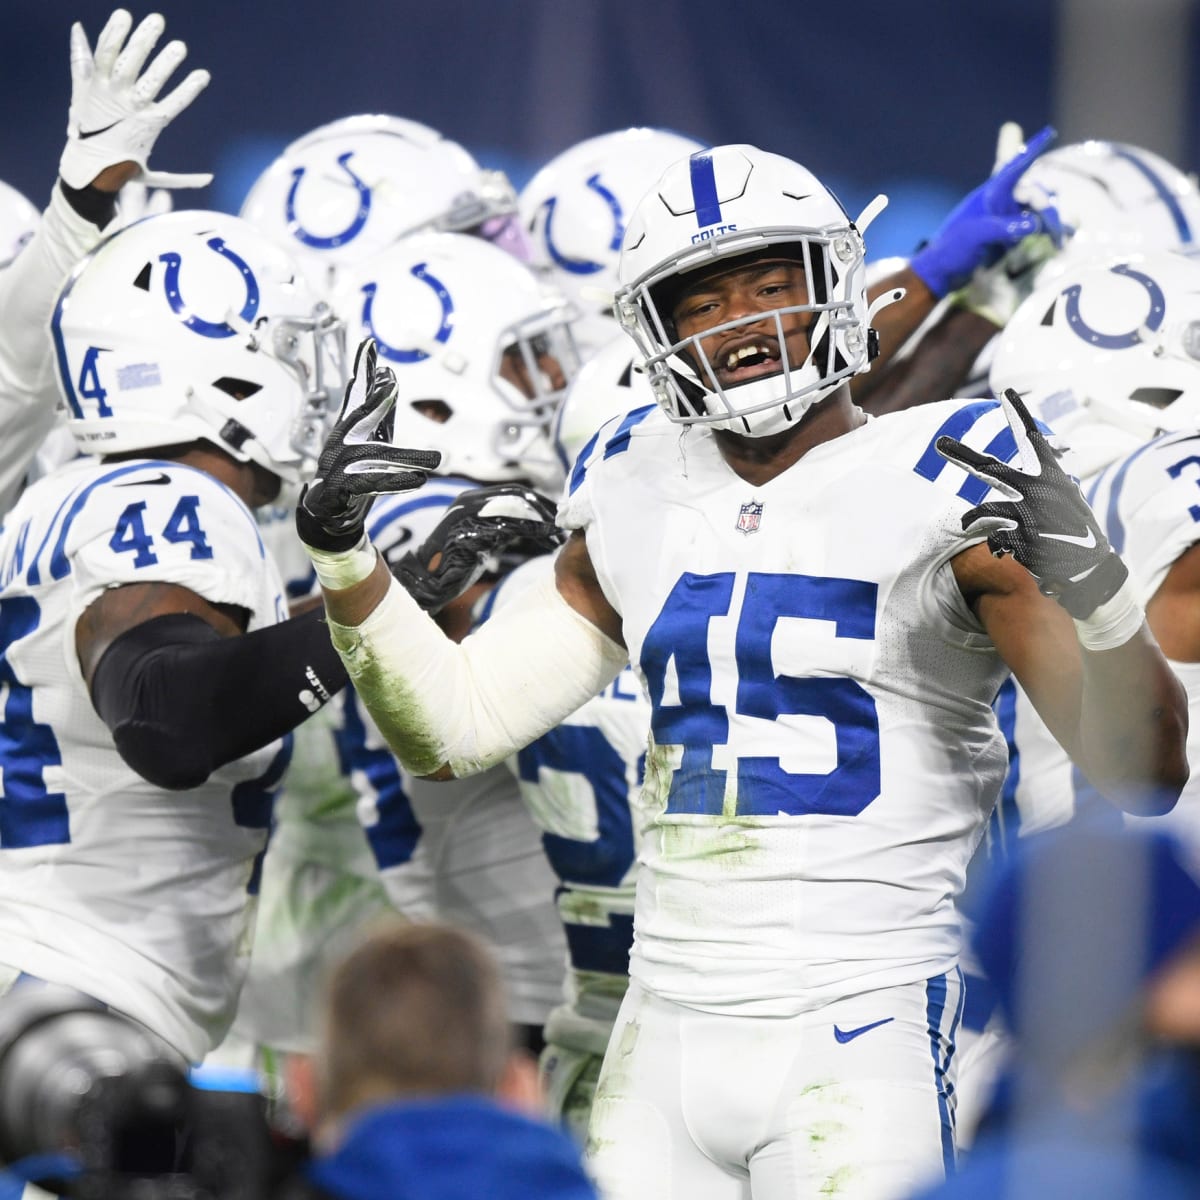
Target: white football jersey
x=29, y=394
x=823, y=754
x=1148, y=505
x=580, y=783
x=464, y=851
x=139, y=896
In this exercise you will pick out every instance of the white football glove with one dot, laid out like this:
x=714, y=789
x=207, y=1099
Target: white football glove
x=114, y=115
x=135, y=201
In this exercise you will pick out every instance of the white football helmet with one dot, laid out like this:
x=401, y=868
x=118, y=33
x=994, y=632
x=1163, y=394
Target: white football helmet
x=192, y=325
x=449, y=314
x=1114, y=200
x=18, y=223
x=347, y=190
x=1108, y=355
x=577, y=206
x=708, y=211
x=609, y=383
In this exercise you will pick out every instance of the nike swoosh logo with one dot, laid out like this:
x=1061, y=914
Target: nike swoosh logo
x=1087, y=543
x=848, y=1035
x=89, y=133
x=162, y=477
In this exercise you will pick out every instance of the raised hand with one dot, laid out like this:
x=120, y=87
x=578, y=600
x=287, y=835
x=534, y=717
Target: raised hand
x=115, y=115
x=358, y=461
x=1045, y=523
x=485, y=530
x=985, y=224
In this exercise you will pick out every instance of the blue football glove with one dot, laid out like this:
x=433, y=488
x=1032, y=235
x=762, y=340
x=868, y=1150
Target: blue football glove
x=1044, y=522
x=985, y=224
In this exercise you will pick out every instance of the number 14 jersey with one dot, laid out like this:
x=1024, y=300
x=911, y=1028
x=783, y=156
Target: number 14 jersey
x=823, y=755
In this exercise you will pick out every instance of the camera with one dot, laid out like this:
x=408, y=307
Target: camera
x=94, y=1106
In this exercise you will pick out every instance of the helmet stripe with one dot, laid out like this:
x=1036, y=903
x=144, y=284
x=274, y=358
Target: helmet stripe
x=1164, y=192
x=704, y=190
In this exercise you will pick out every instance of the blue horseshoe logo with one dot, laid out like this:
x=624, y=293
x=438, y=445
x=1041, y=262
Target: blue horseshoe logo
x=582, y=266
x=1116, y=341
x=209, y=329
x=392, y=353
x=338, y=239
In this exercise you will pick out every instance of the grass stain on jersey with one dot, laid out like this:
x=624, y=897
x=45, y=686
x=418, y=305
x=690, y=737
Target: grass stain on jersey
x=398, y=709
x=837, y=1181
x=727, y=846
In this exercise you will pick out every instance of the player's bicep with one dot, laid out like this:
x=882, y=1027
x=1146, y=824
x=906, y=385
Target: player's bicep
x=117, y=610
x=575, y=577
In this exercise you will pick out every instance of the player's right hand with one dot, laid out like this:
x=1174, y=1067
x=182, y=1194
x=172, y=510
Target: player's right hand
x=358, y=461
x=115, y=116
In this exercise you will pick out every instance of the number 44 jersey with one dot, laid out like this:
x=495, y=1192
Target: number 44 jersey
x=823, y=754
x=136, y=895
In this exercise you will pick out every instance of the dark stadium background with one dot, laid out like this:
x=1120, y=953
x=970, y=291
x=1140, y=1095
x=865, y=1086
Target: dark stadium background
x=904, y=97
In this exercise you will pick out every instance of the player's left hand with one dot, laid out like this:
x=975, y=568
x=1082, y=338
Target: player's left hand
x=358, y=462
x=985, y=224
x=1045, y=523
x=486, y=530
x=115, y=116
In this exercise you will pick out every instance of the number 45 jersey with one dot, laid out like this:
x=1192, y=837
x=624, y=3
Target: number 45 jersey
x=823, y=754
x=136, y=895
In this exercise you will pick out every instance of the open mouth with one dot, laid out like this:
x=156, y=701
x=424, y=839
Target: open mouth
x=748, y=359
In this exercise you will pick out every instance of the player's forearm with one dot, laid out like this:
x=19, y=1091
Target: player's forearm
x=1133, y=726
x=29, y=287
x=465, y=707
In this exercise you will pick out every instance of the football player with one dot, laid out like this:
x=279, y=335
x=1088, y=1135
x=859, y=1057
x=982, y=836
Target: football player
x=821, y=607
x=481, y=353
x=576, y=208
x=348, y=190
x=1109, y=198
x=338, y=198
x=115, y=118
x=151, y=673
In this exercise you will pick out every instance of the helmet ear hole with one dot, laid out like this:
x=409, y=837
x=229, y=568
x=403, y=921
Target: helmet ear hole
x=239, y=389
x=433, y=410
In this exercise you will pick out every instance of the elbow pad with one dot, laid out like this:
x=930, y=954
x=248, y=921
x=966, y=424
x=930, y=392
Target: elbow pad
x=181, y=701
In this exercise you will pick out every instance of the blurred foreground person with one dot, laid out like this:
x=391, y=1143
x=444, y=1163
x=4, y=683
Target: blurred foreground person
x=416, y=1092
x=1091, y=938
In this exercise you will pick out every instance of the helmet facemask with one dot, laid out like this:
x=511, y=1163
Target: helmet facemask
x=687, y=383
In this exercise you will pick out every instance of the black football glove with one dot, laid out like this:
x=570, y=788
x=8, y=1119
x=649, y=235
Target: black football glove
x=358, y=460
x=1045, y=523
x=487, y=530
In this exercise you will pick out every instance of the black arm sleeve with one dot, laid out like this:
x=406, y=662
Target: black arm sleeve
x=91, y=203
x=182, y=701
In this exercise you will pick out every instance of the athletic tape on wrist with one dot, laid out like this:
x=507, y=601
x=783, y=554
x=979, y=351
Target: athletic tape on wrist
x=1113, y=623
x=341, y=569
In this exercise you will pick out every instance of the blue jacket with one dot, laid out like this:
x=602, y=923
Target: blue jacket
x=456, y=1147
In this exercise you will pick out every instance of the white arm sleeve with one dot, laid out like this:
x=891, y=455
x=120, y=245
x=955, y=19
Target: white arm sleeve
x=28, y=291
x=473, y=703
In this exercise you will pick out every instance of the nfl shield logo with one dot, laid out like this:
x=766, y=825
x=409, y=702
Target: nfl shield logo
x=749, y=517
